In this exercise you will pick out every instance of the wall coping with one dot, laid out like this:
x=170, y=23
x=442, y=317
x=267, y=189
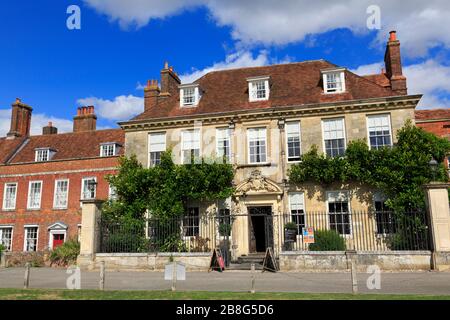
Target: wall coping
x=437, y=185
x=343, y=253
x=162, y=254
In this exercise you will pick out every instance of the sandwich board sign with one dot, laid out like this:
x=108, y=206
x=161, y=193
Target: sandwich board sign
x=308, y=235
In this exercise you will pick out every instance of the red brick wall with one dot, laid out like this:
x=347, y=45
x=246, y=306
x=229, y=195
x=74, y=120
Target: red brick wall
x=439, y=128
x=48, y=172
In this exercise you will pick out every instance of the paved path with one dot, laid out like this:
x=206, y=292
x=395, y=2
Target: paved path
x=396, y=283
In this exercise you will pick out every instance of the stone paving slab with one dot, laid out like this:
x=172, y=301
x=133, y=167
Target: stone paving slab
x=336, y=282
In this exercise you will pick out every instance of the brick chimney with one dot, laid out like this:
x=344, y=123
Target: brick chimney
x=49, y=129
x=20, y=120
x=393, y=62
x=85, y=120
x=151, y=94
x=169, y=82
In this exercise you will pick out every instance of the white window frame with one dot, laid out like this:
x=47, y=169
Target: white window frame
x=252, y=88
x=54, y=232
x=25, y=237
x=29, y=207
x=4, y=195
x=183, y=140
x=104, y=148
x=347, y=194
x=55, y=206
x=82, y=188
x=299, y=137
x=341, y=75
x=196, y=95
x=39, y=153
x=343, y=129
x=388, y=115
x=2, y=228
x=227, y=138
x=302, y=196
x=266, y=143
x=150, y=145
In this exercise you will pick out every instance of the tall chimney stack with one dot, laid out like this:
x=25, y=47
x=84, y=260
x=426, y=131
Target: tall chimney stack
x=151, y=94
x=49, y=129
x=85, y=120
x=393, y=62
x=20, y=120
x=169, y=81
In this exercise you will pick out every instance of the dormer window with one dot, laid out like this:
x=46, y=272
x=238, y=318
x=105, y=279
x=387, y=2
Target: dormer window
x=258, y=88
x=334, y=80
x=189, y=95
x=43, y=154
x=109, y=149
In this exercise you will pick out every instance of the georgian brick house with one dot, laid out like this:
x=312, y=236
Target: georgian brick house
x=262, y=119
x=44, y=177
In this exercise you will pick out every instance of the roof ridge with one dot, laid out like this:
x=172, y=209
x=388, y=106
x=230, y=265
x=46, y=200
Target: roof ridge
x=68, y=133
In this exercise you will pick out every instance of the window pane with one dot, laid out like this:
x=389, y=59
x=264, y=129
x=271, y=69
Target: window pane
x=257, y=145
x=296, y=203
x=89, y=188
x=223, y=143
x=191, y=223
x=293, y=140
x=6, y=238
x=10, y=193
x=31, y=237
x=34, y=195
x=334, y=141
x=339, y=214
x=379, y=131
x=61, y=194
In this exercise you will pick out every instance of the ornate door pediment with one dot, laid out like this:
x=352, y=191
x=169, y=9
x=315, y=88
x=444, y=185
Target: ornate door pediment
x=257, y=184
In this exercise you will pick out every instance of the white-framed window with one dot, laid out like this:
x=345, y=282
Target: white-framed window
x=108, y=149
x=31, y=238
x=334, y=137
x=339, y=212
x=157, y=145
x=60, y=198
x=379, y=130
x=223, y=143
x=190, y=145
x=34, y=195
x=191, y=222
x=10, y=196
x=258, y=88
x=297, y=208
x=6, y=237
x=189, y=95
x=293, y=138
x=43, y=154
x=334, y=81
x=257, y=145
x=88, y=188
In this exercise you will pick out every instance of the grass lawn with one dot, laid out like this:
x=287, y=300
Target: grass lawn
x=54, y=294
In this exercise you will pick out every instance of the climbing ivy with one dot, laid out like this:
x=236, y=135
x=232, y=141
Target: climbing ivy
x=399, y=172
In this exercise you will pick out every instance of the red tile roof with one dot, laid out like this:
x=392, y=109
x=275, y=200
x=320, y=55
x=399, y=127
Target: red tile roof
x=433, y=114
x=380, y=79
x=69, y=145
x=8, y=147
x=291, y=84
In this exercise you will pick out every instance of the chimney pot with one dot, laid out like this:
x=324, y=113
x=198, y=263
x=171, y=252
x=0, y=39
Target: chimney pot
x=166, y=65
x=393, y=36
x=85, y=120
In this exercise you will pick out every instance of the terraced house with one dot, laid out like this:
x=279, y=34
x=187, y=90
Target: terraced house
x=261, y=119
x=43, y=178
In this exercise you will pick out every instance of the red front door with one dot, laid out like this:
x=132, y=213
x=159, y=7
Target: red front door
x=58, y=240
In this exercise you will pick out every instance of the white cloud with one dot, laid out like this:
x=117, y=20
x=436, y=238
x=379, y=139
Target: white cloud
x=429, y=78
x=421, y=24
x=38, y=121
x=121, y=108
x=232, y=61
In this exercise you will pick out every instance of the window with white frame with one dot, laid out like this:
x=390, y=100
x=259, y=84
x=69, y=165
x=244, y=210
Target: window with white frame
x=334, y=137
x=223, y=143
x=383, y=214
x=6, y=237
x=339, y=212
x=297, y=207
x=293, y=141
x=34, y=195
x=379, y=128
x=31, y=238
x=88, y=188
x=61, y=194
x=190, y=148
x=9, y=196
x=189, y=95
x=191, y=222
x=257, y=145
x=258, y=88
x=43, y=154
x=334, y=81
x=157, y=145
x=108, y=149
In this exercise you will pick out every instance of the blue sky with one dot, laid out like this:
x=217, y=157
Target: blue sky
x=121, y=44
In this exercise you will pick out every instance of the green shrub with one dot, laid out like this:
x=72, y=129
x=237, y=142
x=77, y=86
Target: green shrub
x=327, y=240
x=66, y=254
x=2, y=248
x=291, y=226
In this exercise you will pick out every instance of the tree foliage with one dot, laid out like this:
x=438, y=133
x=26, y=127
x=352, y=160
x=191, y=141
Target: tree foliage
x=164, y=190
x=399, y=172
